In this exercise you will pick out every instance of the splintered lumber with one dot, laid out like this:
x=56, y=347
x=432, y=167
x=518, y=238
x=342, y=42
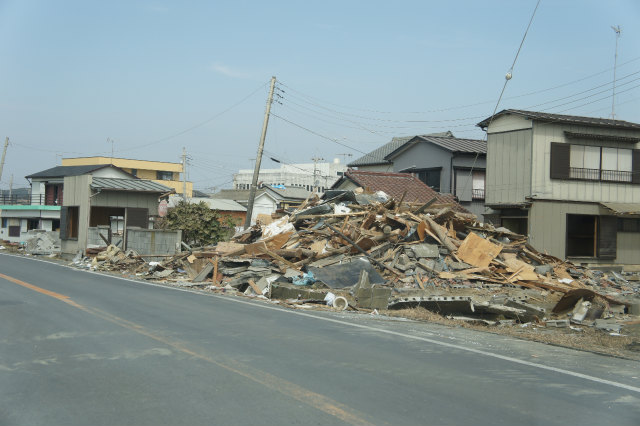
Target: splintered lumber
x=254, y=286
x=347, y=239
x=477, y=251
x=442, y=236
x=214, y=277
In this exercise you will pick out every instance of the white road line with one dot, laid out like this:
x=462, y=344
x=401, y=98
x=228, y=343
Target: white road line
x=379, y=330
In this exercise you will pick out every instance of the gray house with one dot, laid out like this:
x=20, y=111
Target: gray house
x=445, y=163
x=571, y=183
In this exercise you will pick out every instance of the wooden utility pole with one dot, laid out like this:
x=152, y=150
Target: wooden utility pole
x=4, y=154
x=184, y=174
x=256, y=170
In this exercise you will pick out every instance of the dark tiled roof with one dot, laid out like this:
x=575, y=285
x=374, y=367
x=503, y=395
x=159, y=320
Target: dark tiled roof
x=62, y=171
x=395, y=184
x=568, y=119
x=453, y=144
x=133, y=185
x=377, y=156
x=242, y=195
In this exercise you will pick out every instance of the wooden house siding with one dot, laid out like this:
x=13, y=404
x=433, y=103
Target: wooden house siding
x=508, y=179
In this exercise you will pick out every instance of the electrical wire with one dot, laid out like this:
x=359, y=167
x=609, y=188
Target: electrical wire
x=196, y=125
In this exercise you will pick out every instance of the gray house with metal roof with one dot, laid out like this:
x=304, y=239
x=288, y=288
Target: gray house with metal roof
x=91, y=202
x=445, y=163
x=571, y=183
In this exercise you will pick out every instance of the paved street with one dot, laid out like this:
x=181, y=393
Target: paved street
x=83, y=348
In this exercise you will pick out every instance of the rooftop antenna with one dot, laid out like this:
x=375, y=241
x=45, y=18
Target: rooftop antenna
x=618, y=32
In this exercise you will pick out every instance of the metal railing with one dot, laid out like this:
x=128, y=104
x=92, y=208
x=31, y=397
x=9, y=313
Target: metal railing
x=26, y=199
x=599, y=175
x=477, y=194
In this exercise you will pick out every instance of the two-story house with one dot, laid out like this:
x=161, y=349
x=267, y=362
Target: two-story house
x=164, y=173
x=571, y=183
x=41, y=210
x=445, y=163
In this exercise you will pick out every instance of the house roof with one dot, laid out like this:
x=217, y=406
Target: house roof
x=452, y=144
x=132, y=185
x=63, y=171
x=214, y=204
x=242, y=195
x=567, y=119
x=395, y=185
x=377, y=156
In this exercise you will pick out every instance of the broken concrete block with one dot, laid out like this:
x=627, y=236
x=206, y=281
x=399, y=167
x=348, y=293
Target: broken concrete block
x=425, y=250
x=531, y=311
x=608, y=325
x=444, y=305
x=373, y=298
x=543, y=269
x=557, y=323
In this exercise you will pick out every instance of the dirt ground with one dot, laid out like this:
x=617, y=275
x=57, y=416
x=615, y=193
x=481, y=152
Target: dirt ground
x=626, y=345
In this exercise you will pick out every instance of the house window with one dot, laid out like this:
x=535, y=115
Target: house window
x=5, y=222
x=162, y=175
x=591, y=236
x=32, y=224
x=134, y=172
x=431, y=177
x=596, y=163
x=628, y=225
x=469, y=185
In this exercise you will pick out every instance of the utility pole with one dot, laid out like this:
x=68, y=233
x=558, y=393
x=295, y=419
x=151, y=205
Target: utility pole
x=256, y=170
x=4, y=154
x=184, y=174
x=618, y=31
x=315, y=171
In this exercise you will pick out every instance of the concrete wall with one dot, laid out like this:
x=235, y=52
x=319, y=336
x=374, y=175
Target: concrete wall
x=153, y=241
x=94, y=240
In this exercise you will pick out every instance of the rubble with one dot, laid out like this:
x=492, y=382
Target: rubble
x=371, y=253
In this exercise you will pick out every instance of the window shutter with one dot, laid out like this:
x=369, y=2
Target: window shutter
x=607, y=236
x=560, y=156
x=635, y=166
x=64, y=219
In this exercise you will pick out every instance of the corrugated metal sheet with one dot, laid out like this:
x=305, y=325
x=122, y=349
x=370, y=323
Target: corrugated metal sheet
x=134, y=185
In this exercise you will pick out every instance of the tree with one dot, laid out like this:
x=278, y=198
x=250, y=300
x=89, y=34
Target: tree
x=200, y=225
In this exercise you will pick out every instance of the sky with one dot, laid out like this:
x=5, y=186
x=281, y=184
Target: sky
x=145, y=79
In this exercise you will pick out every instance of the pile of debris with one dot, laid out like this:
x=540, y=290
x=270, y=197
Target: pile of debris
x=360, y=251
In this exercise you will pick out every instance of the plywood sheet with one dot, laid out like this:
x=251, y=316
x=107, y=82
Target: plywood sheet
x=477, y=251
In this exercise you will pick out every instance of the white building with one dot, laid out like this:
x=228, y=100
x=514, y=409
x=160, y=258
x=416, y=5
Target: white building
x=305, y=175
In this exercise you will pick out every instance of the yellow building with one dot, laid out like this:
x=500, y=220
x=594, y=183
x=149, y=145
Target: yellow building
x=167, y=174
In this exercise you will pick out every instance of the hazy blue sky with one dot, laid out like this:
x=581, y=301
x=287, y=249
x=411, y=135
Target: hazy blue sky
x=156, y=76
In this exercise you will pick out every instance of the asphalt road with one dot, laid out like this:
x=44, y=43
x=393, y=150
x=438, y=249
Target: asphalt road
x=82, y=348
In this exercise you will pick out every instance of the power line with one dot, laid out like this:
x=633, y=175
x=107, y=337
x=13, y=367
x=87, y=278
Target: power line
x=318, y=134
x=196, y=125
